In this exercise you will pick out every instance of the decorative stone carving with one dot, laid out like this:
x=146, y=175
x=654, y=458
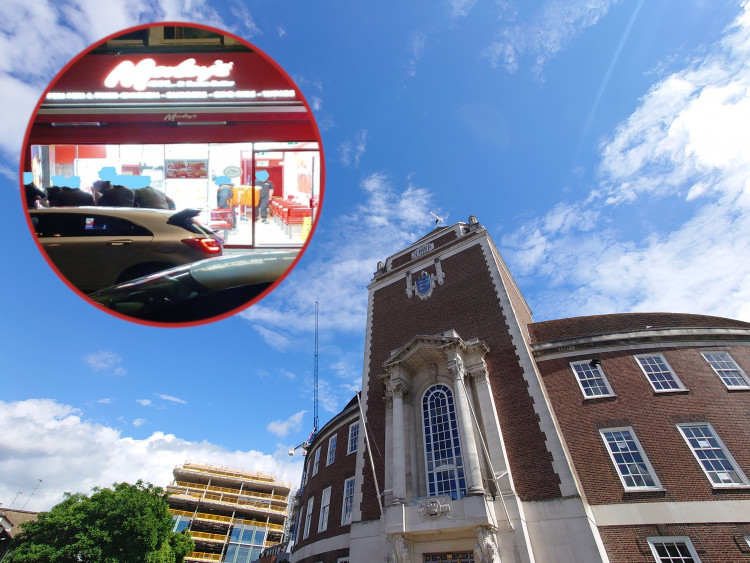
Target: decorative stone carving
x=486, y=551
x=432, y=372
x=456, y=367
x=401, y=549
x=425, y=282
x=434, y=507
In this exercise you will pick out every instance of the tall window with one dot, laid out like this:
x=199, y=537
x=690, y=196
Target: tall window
x=443, y=458
x=631, y=463
x=308, y=517
x=591, y=379
x=714, y=458
x=659, y=374
x=673, y=550
x=353, y=436
x=346, y=509
x=331, y=450
x=316, y=462
x=325, y=502
x=726, y=368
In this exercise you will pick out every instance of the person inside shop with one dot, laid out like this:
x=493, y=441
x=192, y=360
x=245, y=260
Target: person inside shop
x=152, y=198
x=266, y=193
x=69, y=194
x=118, y=194
x=35, y=196
x=224, y=197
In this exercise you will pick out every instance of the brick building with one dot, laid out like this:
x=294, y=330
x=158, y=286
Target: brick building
x=606, y=438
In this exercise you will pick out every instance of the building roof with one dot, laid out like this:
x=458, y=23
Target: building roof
x=581, y=327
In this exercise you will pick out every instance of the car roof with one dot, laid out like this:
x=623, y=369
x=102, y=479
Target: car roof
x=115, y=211
x=256, y=266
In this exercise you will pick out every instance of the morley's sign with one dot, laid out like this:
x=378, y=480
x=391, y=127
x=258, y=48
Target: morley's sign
x=146, y=73
x=171, y=77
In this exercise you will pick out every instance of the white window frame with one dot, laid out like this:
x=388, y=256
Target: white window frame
x=308, y=517
x=728, y=456
x=602, y=377
x=740, y=372
x=331, y=457
x=680, y=387
x=325, y=508
x=447, y=467
x=639, y=449
x=673, y=540
x=316, y=462
x=351, y=448
x=346, y=515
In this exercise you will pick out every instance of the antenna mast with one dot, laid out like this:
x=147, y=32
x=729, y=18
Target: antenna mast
x=315, y=375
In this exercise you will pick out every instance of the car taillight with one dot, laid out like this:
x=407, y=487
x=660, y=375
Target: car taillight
x=207, y=245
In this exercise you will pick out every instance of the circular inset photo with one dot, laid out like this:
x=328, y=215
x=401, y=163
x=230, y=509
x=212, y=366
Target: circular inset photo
x=172, y=174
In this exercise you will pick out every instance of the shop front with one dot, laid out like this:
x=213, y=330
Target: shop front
x=221, y=130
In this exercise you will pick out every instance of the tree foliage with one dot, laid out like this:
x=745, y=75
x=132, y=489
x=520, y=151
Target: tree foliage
x=124, y=524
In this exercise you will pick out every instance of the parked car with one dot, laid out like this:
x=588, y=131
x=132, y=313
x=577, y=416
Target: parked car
x=200, y=290
x=97, y=247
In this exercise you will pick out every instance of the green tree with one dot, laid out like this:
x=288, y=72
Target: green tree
x=124, y=524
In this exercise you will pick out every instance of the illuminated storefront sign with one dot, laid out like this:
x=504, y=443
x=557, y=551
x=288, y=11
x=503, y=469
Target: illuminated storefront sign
x=171, y=77
x=142, y=74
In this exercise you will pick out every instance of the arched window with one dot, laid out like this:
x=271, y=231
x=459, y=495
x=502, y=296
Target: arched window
x=443, y=461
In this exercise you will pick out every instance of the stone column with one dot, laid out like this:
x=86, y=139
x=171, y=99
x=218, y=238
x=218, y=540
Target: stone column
x=398, y=390
x=465, y=425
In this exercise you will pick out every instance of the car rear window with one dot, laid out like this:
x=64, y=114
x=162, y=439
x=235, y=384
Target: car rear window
x=85, y=225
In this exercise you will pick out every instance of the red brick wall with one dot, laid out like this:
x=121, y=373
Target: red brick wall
x=334, y=476
x=468, y=303
x=712, y=542
x=653, y=417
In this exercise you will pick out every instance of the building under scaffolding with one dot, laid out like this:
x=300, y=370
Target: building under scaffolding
x=232, y=514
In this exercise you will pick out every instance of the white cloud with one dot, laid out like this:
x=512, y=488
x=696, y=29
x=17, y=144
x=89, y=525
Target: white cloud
x=556, y=25
x=171, y=399
x=415, y=49
x=284, y=427
x=460, y=8
x=685, y=148
x=105, y=401
x=43, y=439
x=138, y=422
x=105, y=361
x=242, y=15
x=144, y=402
x=351, y=151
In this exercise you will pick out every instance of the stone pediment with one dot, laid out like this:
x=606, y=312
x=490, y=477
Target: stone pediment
x=424, y=350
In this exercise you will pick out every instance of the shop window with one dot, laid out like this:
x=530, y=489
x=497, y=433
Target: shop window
x=325, y=502
x=443, y=457
x=627, y=455
x=673, y=549
x=348, y=505
x=712, y=455
x=727, y=369
x=659, y=374
x=591, y=379
x=353, y=437
x=331, y=450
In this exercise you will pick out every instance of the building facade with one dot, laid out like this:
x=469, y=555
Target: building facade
x=494, y=438
x=231, y=514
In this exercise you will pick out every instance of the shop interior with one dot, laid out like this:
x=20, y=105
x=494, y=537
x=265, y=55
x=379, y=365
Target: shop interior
x=191, y=174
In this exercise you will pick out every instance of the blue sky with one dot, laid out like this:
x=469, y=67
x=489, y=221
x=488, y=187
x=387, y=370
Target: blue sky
x=604, y=144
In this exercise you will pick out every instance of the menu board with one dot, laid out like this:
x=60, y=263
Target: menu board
x=186, y=168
